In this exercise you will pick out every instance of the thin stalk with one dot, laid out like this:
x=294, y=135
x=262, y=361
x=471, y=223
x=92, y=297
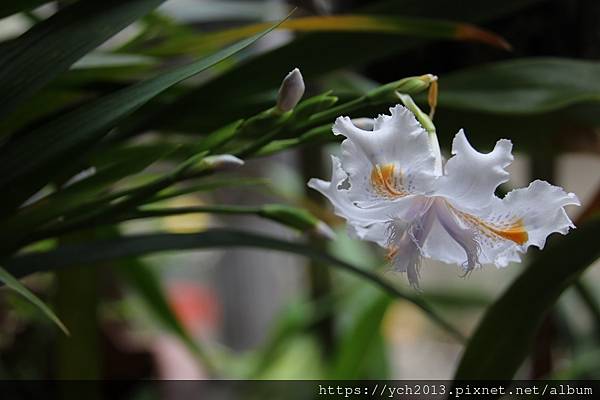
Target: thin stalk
x=320, y=278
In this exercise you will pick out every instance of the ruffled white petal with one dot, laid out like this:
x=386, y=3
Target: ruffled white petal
x=471, y=178
x=541, y=207
x=342, y=193
x=395, y=139
x=406, y=240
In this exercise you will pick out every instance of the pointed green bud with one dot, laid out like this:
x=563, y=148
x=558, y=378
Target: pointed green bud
x=388, y=93
x=291, y=91
x=421, y=116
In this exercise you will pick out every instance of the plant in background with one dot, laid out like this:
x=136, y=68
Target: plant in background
x=92, y=138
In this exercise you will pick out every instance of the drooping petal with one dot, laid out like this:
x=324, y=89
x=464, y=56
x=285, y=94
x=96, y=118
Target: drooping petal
x=462, y=235
x=471, y=177
x=406, y=241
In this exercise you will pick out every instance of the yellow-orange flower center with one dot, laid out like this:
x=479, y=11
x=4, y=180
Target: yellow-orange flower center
x=385, y=182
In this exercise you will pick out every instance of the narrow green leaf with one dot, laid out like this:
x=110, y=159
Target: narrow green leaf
x=72, y=133
x=504, y=337
x=82, y=195
x=9, y=7
x=208, y=185
x=53, y=45
x=418, y=27
x=522, y=86
x=18, y=287
x=321, y=52
x=214, y=238
x=361, y=336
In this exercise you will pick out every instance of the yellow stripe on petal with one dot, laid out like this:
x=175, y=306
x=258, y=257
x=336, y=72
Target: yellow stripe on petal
x=514, y=231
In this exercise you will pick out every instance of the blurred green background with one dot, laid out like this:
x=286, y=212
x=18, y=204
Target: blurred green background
x=162, y=264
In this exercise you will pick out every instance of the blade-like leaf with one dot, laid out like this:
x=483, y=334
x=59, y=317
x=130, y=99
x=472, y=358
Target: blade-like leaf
x=83, y=194
x=51, y=46
x=8, y=7
x=360, y=338
x=417, y=27
x=505, y=335
x=522, y=86
x=215, y=238
x=321, y=52
x=33, y=155
x=11, y=282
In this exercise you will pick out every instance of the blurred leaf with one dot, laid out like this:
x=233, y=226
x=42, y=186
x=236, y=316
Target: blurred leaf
x=208, y=185
x=148, y=285
x=360, y=337
x=99, y=59
x=504, y=336
x=81, y=195
x=9, y=7
x=51, y=46
x=299, y=359
x=215, y=238
x=75, y=131
x=293, y=217
x=418, y=27
x=43, y=104
x=585, y=366
x=294, y=320
x=18, y=287
x=318, y=53
x=522, y=86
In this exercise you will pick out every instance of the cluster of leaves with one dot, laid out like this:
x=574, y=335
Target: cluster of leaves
x=77, y=156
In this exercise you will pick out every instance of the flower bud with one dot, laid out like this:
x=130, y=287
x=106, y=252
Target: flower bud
x=411, y=85
x=221, y=161
x=291, y=91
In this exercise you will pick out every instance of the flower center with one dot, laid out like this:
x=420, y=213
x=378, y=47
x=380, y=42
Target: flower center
x=385, y=182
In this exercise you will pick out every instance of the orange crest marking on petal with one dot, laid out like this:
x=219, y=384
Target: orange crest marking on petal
x=515, y=231
x=384, y=181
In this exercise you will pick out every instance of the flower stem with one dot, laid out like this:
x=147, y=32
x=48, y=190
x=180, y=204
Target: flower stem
x=428, y=126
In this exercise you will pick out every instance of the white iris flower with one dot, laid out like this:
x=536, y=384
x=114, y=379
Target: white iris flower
x=391, y=187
